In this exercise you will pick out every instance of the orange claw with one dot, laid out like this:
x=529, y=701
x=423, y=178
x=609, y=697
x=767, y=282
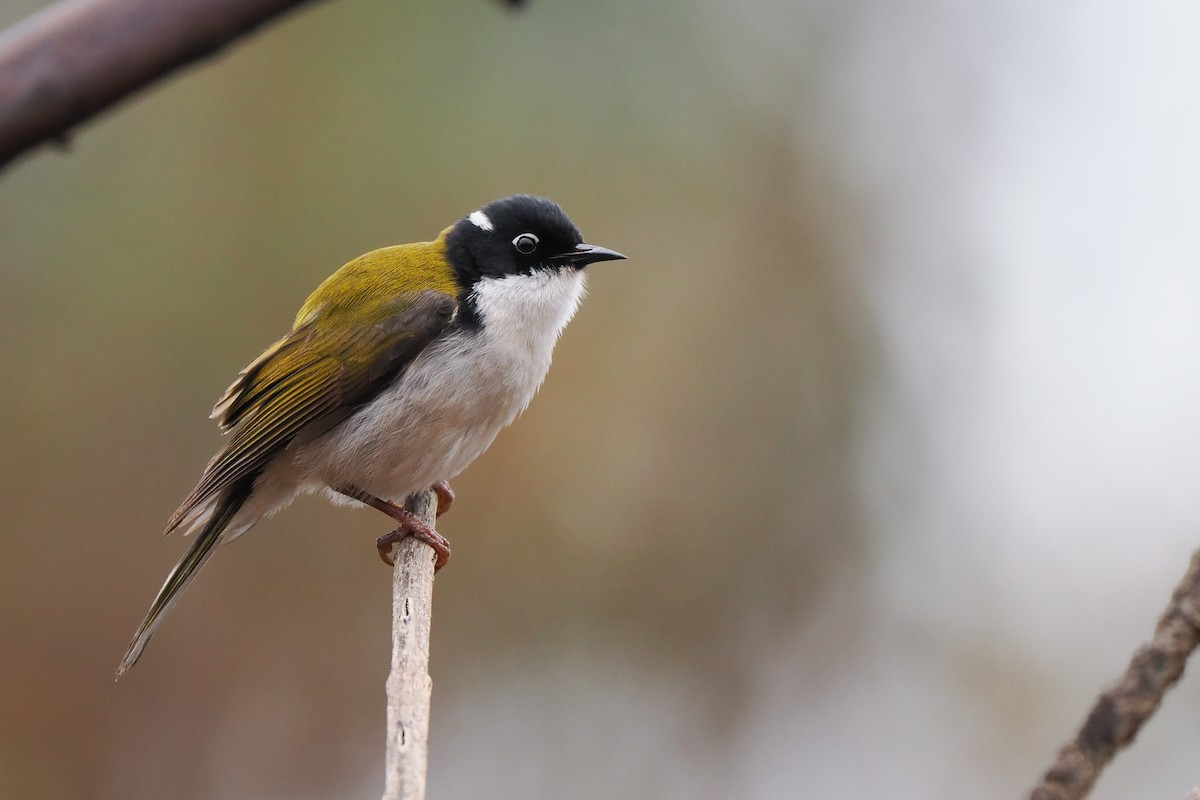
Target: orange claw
x=410, y=525
x=413, y=526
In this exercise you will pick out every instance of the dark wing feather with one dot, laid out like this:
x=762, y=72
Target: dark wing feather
x=259, y=376
x=309, y=381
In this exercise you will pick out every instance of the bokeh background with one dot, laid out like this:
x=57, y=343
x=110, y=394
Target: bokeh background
x=860, y=478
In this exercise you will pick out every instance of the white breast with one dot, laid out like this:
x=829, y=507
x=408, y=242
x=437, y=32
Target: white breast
x=455, y=397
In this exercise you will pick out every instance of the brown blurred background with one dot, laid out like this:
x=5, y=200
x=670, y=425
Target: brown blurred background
x=860, y=478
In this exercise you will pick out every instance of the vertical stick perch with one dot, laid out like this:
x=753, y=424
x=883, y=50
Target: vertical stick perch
x=409, y=686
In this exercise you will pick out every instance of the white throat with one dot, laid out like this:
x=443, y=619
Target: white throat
x=529, y=310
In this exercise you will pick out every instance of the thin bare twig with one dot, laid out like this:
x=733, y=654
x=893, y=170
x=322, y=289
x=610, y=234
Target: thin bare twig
x=1120, y=711
x=409, y=687
x=75, y=58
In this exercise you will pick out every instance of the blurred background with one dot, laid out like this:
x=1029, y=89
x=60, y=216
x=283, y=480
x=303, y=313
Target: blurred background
x=861, y=477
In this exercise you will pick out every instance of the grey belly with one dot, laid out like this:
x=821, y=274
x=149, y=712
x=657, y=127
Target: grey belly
x=429, y=426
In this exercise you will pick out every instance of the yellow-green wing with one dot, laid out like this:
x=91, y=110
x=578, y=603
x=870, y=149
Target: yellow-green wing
x=309, y=381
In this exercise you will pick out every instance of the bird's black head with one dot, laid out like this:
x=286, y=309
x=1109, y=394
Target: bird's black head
x=518, y=235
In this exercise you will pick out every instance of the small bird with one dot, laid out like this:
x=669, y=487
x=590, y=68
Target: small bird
x=399, y=371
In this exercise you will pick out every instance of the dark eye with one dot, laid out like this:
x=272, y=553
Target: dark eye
x=525, y=243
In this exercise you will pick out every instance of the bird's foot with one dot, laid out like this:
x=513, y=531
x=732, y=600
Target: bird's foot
x=445, y=497
x=411, y=525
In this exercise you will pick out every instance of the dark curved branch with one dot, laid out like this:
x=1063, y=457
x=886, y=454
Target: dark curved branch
x=75, y=58
x=1120, y=711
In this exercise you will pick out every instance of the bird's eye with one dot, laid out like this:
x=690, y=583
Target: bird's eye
x=525, y=243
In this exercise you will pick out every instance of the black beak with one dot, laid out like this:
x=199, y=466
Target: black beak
x=585, y=254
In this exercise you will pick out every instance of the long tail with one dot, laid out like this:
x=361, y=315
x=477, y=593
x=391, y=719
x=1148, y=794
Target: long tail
x=185, y=570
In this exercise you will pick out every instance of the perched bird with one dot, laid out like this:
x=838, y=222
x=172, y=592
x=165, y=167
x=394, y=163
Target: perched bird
x=400, y=370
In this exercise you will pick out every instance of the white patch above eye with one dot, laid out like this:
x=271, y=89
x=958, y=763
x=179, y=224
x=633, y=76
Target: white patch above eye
x=481, y=220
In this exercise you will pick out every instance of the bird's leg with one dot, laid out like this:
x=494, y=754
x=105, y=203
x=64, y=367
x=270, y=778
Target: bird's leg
x=445, y=497
x=410, y=525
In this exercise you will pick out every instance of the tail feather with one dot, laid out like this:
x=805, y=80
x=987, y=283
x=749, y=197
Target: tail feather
x=222, y=514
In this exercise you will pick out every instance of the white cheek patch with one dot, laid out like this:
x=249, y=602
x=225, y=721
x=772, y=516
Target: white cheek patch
x=481, y=220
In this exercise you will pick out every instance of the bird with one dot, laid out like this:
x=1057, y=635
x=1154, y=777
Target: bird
x=398, y=372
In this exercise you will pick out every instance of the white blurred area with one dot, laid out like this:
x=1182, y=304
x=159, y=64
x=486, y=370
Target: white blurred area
x=1031, y=454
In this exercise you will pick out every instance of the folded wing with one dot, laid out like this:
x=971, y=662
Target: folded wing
x=311, y=379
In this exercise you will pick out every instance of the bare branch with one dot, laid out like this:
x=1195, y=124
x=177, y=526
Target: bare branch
x=1120, y=711
x=75, y=58
x=409, y=686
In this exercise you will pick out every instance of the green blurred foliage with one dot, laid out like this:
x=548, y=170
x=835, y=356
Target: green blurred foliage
x=675, y=501
x=829, y=490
